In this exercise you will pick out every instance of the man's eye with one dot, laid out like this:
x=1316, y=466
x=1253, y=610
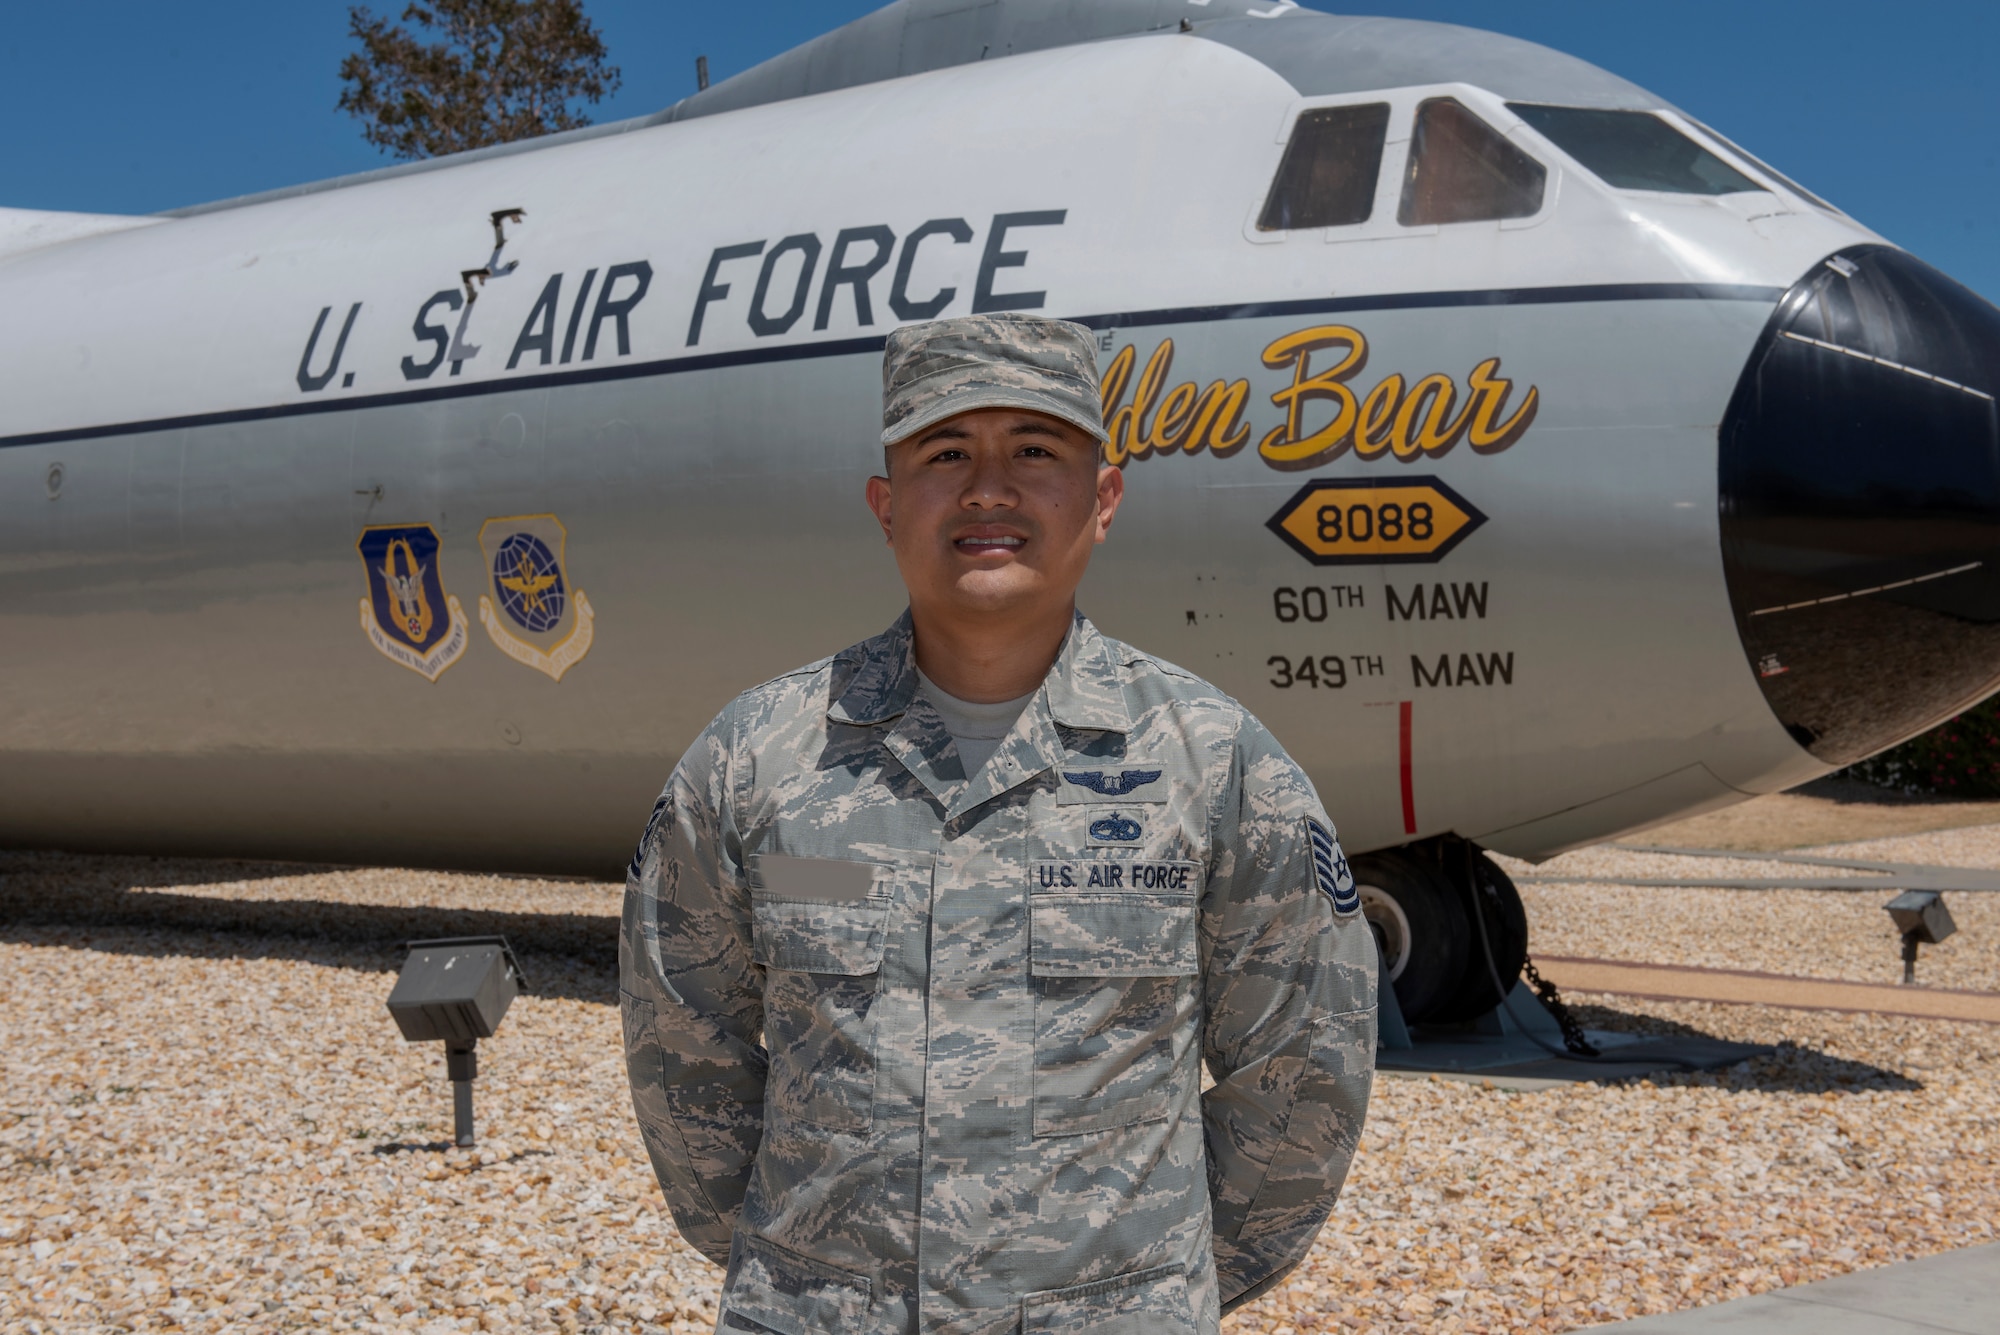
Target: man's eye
x=949, y=456
x=1041, y=451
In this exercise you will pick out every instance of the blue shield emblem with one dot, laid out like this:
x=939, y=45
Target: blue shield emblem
x=530, y=609
x=528, y=582
x=407, y=615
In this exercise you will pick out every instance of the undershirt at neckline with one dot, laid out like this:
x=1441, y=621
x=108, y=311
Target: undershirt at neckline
x=976, y=729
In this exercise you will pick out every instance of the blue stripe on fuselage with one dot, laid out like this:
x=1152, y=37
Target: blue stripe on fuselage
x=850, y=347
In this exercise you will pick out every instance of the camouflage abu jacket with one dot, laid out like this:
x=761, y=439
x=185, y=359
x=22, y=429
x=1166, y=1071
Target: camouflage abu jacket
x=916, y=1053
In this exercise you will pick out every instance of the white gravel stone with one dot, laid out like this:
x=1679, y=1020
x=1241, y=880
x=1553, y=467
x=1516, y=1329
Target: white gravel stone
x=208, y=1123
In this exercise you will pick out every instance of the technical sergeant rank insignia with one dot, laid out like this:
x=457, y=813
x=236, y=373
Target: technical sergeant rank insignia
x=1330, y=871
x=407, y=615
x=530, y=609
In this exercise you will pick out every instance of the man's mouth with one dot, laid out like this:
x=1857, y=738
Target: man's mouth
x=986, y=544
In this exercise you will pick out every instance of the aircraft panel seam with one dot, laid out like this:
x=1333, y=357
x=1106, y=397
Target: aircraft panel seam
x=1859, y=355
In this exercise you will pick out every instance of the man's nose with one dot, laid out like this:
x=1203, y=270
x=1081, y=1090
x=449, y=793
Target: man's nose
x=990, y=485
x=1859, y=477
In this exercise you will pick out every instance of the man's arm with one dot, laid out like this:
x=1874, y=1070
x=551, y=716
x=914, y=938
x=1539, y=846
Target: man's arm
x=693, y=1000
x=1290, y=1027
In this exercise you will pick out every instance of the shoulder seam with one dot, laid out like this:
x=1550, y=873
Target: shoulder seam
x=1177, y=673
x=807, y=670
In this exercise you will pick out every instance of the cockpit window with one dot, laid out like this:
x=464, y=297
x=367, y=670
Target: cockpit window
x=1762, y=165
x=1327, y=178
x=1634, y=150
x=1463, y=170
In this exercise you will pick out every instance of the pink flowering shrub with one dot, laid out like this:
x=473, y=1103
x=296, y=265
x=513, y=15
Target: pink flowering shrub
x=1958, y=758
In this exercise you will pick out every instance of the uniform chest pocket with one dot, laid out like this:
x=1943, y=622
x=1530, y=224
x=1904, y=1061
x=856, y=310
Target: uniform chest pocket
x=1115, y=976
x=822, y=962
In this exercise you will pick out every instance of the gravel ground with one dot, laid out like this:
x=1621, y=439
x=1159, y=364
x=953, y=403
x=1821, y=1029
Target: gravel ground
x=207, y=1123
x=1823, y=811
x=212, y=1133
x=1865, y=1140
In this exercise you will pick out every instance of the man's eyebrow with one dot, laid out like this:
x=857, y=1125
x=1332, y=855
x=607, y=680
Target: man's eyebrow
x=945, y=432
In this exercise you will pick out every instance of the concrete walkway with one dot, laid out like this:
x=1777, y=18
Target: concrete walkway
x=1675, y=982
x=1955, y=1292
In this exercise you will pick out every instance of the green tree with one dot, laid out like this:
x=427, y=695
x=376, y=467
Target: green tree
x=503, y=70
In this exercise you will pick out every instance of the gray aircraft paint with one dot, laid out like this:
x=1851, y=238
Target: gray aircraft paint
x=187, y=674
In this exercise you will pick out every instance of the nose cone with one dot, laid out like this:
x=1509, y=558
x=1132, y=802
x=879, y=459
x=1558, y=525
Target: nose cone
x=1860, y=498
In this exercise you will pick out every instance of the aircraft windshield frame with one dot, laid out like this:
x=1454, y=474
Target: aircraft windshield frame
x=1635, y=150
x=1331, y=170
x=1748, y=159
x=1461, y=168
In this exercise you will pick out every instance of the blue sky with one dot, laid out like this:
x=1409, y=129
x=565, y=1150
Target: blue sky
x=1892, y=112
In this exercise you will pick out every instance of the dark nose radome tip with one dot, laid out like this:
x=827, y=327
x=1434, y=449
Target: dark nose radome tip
x=1859, y=475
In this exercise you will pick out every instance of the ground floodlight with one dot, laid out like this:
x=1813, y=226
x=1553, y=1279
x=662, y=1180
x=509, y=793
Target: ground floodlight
x=1920, y=915
x=456, y=989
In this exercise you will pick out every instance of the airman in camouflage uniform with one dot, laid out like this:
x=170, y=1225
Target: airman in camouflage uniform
x=920, y=1050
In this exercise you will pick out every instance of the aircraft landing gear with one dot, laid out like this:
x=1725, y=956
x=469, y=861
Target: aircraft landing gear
x=1419, y=902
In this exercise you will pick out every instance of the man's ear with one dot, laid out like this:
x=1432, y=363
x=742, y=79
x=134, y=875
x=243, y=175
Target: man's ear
x=1110, y=492
x=878, y=501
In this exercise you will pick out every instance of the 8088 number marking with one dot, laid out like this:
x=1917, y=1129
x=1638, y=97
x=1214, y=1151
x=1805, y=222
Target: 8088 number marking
x=1325, y=672
x=1365, y=523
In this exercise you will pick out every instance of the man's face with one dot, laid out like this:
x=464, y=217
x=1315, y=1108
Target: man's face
x=995, y=511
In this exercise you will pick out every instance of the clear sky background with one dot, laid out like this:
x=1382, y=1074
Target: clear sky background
x=1891, y=111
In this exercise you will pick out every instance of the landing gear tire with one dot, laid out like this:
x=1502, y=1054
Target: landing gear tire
x=1491, y=893
x=1420, y=923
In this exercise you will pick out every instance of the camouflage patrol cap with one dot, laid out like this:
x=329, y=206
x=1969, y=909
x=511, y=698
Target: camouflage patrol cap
x=938, y=370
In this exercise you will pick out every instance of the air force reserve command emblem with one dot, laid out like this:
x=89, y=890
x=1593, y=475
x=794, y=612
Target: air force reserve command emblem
x=407, y=615
x=532, y=611
x=1330, y=871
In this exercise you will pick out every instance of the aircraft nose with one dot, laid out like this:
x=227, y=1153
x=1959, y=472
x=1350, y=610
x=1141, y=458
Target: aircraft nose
x=1859, y=472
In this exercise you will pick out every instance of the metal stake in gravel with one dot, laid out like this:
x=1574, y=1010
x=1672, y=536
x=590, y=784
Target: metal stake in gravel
x=456, y=989
x=1922, y=918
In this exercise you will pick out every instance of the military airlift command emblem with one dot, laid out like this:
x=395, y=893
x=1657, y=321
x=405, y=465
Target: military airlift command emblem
x=530, y=609
x=407, y=615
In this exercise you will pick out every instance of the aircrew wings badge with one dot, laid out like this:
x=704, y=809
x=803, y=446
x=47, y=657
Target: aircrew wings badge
x=1330, y=871
x=407, y=615
x=1112, y=785
x=531, y=611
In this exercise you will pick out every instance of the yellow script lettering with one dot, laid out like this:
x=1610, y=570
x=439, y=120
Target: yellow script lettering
x=1408, y=421
x=1286, y=447
x=1489, y=400
x=1188, y=420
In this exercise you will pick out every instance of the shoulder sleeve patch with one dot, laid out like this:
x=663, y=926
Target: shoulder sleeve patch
x=638, y=862
x=1330, y=871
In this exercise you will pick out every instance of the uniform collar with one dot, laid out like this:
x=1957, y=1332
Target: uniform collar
x=1084, y=688
x=881, y=677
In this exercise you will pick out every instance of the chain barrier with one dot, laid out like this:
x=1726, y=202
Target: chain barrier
x=1572, y=1032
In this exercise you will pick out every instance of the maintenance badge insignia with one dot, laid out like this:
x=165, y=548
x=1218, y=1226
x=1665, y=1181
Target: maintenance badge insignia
x=530, y=609
x=407, y=615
